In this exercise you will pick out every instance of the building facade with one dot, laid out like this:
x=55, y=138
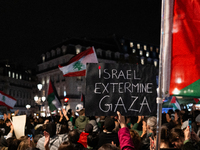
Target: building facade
x=18, y=82
x=108, y=50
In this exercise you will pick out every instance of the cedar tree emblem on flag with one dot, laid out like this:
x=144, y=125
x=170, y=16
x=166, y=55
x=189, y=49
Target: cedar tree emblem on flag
x=77, y=64
x=7, y=100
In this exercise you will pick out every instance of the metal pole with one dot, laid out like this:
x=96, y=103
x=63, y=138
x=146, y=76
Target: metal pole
x=159, y=98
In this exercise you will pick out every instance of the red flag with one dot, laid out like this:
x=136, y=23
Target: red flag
x=184, y=67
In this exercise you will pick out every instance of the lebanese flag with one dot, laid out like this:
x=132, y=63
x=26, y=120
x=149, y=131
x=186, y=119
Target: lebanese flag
x=77, y=64
x=7, y=100
x=180, y=45
x=175, y=103
x=53, y=98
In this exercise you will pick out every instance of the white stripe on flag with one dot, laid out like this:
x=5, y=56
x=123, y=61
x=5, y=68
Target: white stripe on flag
x=8, y=101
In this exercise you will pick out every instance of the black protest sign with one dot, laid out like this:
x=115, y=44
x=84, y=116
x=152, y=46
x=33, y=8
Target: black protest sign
x=128, y=88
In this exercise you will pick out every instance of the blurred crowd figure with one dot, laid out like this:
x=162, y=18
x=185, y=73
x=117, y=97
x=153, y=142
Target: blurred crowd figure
x=71, y=130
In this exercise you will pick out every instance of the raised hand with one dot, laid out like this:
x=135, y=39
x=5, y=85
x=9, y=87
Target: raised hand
x=47, y=139
x=121, y=120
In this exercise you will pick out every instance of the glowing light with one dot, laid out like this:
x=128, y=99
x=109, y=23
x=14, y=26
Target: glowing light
x=176, y=91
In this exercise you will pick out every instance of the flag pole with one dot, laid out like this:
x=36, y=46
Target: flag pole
x=159, y=97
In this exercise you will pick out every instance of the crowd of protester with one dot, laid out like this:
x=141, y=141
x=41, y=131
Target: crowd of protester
x=68, y=131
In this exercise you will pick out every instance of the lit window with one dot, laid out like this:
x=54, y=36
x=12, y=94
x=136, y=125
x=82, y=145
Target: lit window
x=157, y=50
x=43, y=58
x=151, y=48
x=47, y=79
x=29, y=78
x=145, y=47
x=142, y=60
x=141, y=52
x=43, y=81
x=16, y=76
x=156, y=62
x=20, y=76
x=133, y=50
x=138, y=46
x=131, y=44
x=147, y=54
x=43, y=92
x=13, y=75
x=78, y=50
x=9, y=74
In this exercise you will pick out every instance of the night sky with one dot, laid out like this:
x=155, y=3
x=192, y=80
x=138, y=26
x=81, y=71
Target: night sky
x=29, y=28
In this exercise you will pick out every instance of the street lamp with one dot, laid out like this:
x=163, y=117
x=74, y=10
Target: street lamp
x=38, y=99
x=28, y=106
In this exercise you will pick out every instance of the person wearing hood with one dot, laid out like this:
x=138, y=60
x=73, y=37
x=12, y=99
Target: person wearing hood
x=81, y=121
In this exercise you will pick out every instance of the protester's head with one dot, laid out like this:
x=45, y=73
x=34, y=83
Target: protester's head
x=176, y=137
x=95, y=126
x=92, y=140
x=109, y=124
x=40, y=121
x=78, y=107
x=64, y=129
x=152, y=123
x=69, y=113
x=25, y=144
x=50, y=128
x=8, y=122
x=13, y=143
x=108, y=146
x=82, y=112
x=88, y=128
x=74, y=136
x=66, y=146
x=135, y=138
x=164, y=133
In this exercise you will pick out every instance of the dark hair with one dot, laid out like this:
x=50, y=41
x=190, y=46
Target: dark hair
x=82, y=111
x=108, y=146
x=13, y=143
x=66, y=146
x=135, y=138
x=7, y=120
x=175, y=132
x=37, y=137
x=164, y=133
x=109, y=124
x=92, y=140
x=74, y=136
x=50, y=128
x=64, y=129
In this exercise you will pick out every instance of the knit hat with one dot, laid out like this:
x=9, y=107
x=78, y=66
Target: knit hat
x=152, y=122
x=109, y=124
x=88, y=128
x=197, y=119
x=94, y=123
